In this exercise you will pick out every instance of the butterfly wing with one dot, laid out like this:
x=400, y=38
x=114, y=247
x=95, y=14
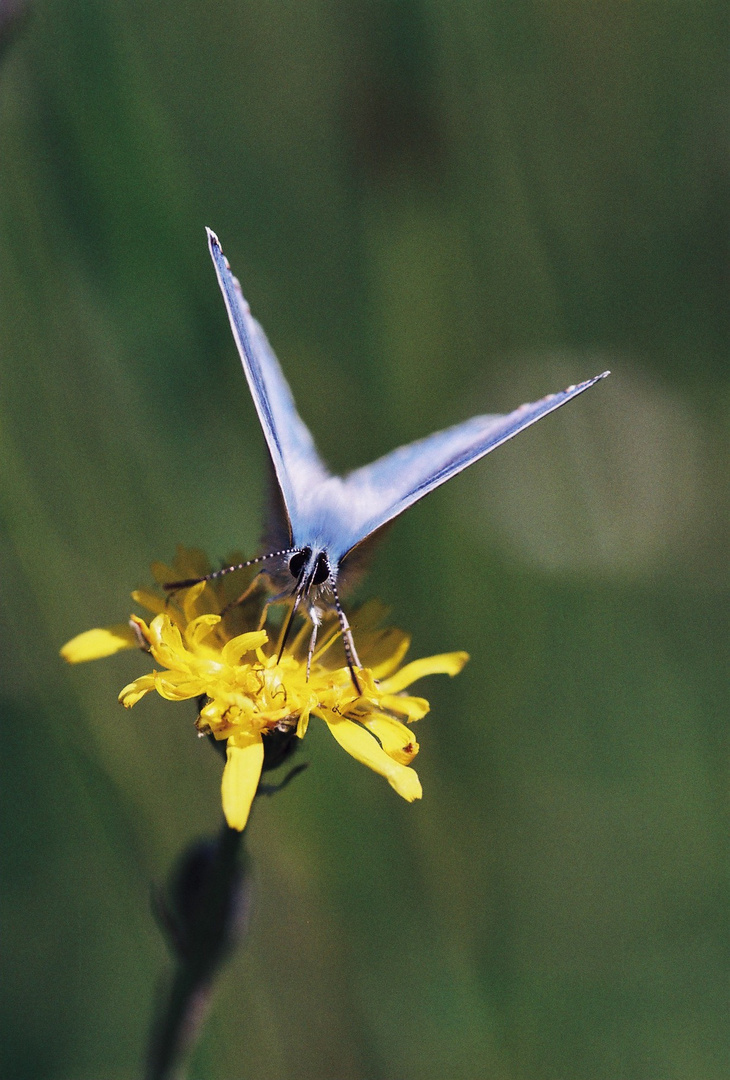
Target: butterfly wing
x=298, y=467
x=379, y=492
x=337, y=514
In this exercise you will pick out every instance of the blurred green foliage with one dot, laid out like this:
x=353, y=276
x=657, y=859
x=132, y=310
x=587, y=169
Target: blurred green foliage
x=435, y=209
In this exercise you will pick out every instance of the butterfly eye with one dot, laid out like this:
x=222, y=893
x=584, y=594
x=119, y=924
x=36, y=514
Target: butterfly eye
x=298, y=562
x=322, y=570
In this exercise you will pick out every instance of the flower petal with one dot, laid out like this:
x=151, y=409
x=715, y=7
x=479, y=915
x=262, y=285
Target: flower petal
x=136, y=690
x=303, y=723
x=166, y=643
x=178, y=685
x=241, y=775
x=413, y=708
x=190, y=598
x=164, y=574
x=365, y=748
x=234, y=649
x=102, y=641
x=188, y=563
x=151, y=600
x=395, y=738
x=387, y=652
x=368, y=617
x=443, y=664
x=200, y=628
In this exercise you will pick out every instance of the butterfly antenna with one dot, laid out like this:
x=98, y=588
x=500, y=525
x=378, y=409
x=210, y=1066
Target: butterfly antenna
x=173, y=586
x=353, y=660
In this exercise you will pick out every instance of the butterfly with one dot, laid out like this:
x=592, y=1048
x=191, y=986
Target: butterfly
x=322, y=525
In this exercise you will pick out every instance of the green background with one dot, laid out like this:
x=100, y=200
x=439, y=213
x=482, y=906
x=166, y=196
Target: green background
x=436, y=209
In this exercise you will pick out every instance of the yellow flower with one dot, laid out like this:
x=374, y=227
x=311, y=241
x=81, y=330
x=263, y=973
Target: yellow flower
x=208, y=650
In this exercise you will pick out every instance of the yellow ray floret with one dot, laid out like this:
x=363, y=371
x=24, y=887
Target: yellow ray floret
x=249, y=692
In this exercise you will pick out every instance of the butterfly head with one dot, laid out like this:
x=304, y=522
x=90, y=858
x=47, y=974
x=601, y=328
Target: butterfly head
x=309, y=568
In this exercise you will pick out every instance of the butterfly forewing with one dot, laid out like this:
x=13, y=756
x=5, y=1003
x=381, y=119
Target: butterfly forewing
x=380, y=491
x=294, y=456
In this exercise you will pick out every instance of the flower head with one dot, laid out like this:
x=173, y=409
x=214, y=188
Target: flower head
x=213, y=643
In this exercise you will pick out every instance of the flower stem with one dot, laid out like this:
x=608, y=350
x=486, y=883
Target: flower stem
x=203, y=916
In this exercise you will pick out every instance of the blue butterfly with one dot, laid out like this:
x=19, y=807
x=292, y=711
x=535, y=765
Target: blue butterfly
x=322, y=524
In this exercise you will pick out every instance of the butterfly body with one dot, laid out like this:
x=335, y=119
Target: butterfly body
x=322, y=523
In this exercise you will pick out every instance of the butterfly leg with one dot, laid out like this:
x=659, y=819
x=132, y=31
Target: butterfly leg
x=353, y=660
x=278, y=599
x=349, y=643
x=312, y=641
